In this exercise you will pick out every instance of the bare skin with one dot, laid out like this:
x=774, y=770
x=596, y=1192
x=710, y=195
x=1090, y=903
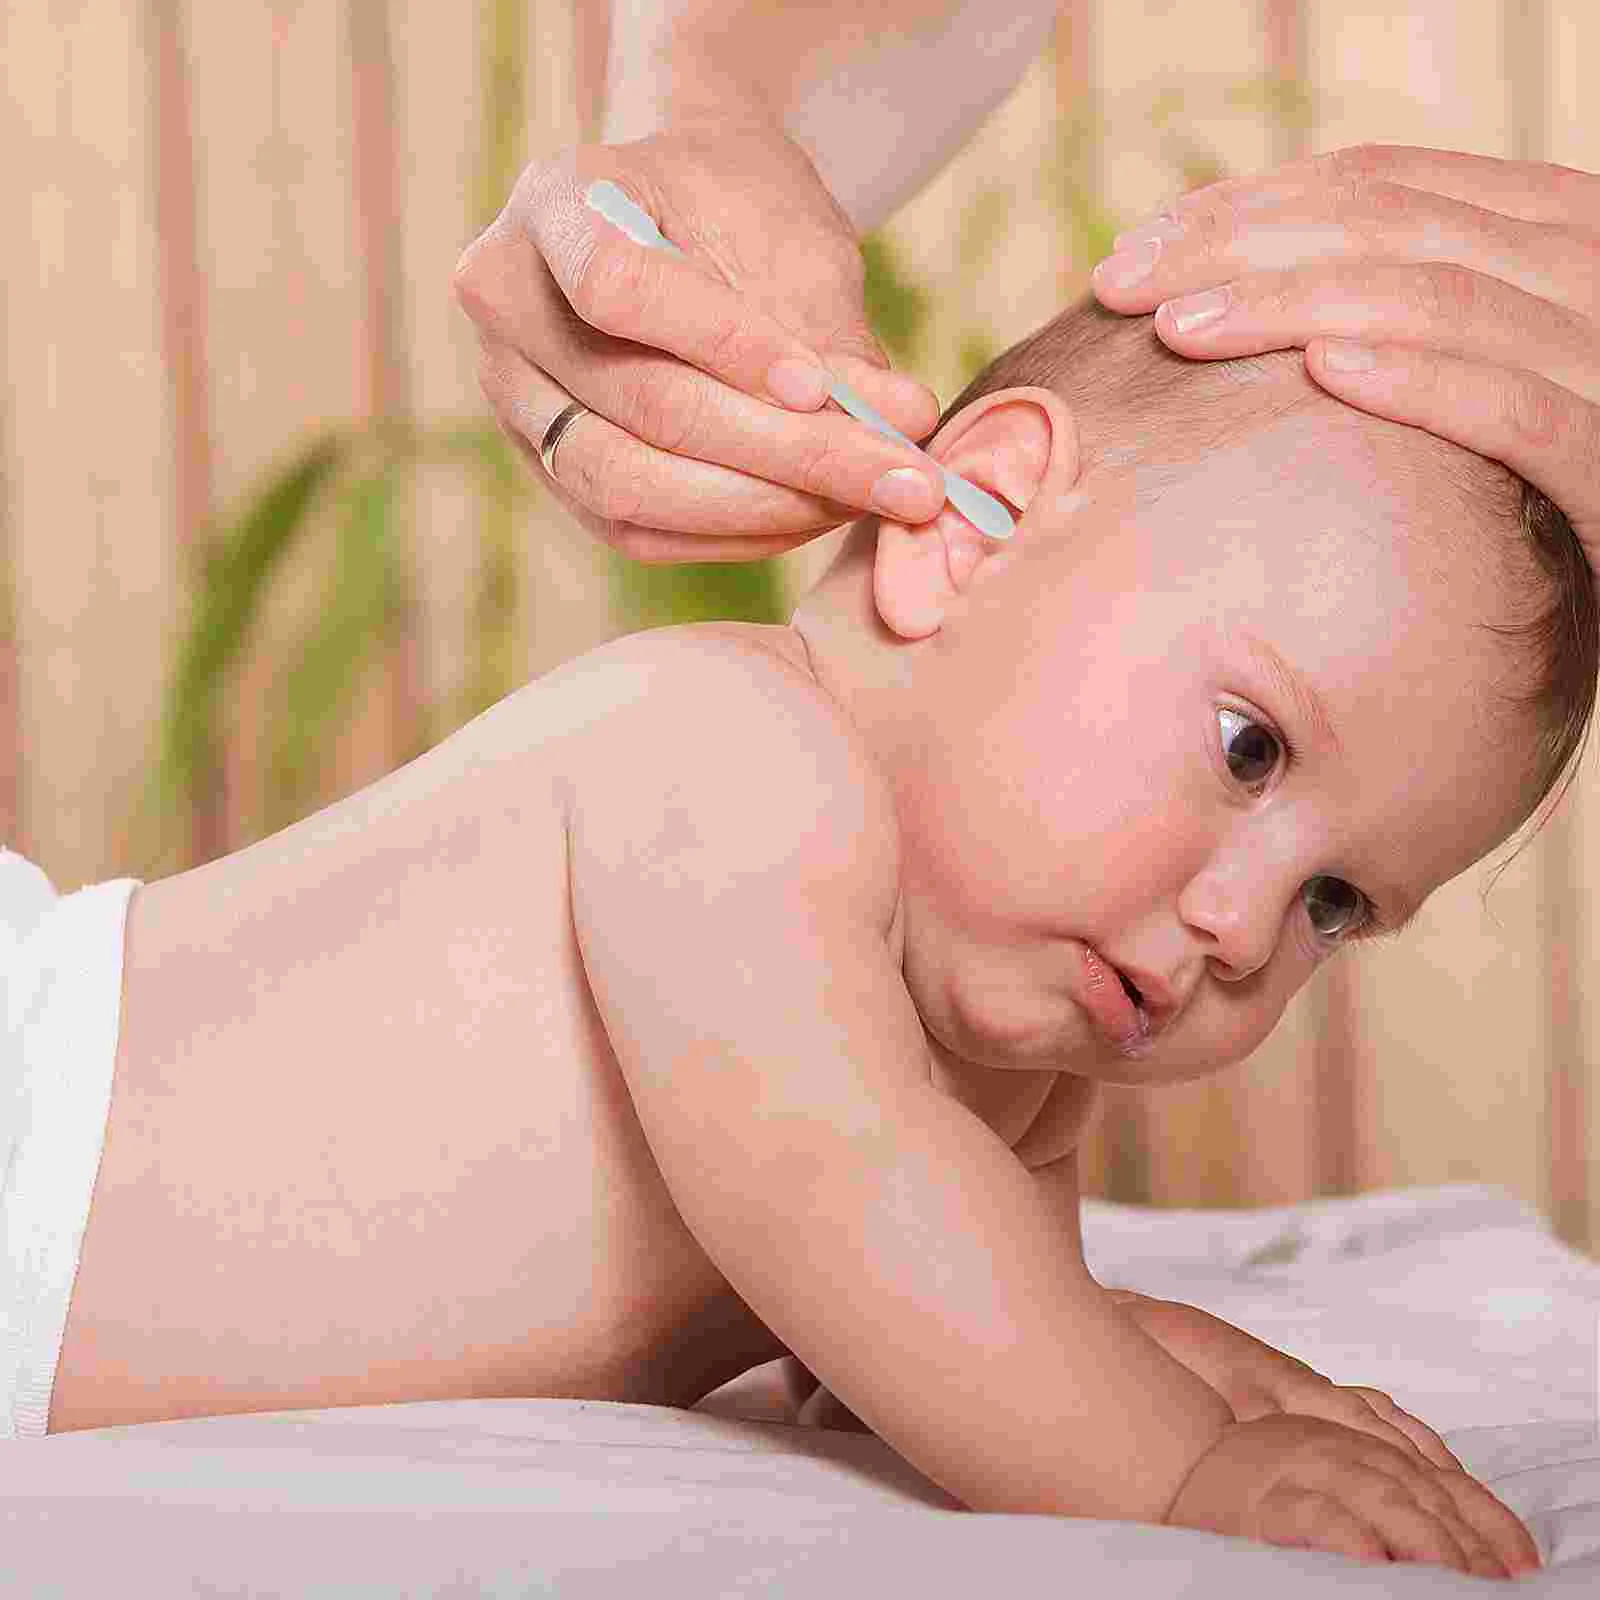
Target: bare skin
x=348, y=1166
x=791, y=914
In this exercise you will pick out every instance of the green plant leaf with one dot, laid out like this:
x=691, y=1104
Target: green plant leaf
x=502, y=117
x=975, y=352
x=711, y=591
x=364, y=594
x=234, y=568
x=480, y=447
x=984, y=224
x=493, y=633
x=898, y=308
x=1067, y=183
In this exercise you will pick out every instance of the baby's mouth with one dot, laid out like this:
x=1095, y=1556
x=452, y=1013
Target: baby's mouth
x=1122, y=1024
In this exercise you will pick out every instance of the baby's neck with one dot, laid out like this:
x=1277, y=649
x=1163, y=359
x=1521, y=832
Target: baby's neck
x=857, y=661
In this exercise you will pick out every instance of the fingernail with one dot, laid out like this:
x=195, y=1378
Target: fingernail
x=906, y=495
x=1195, y=311
x=798, y=384
x=1128, y=267
x=1343, y=355
x=1164, y=225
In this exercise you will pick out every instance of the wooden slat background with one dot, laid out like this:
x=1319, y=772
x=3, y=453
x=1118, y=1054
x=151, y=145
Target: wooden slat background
x=231, y=225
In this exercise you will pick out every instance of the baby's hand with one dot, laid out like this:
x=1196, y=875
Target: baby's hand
x=1310, y=1484
x=1293, y=1386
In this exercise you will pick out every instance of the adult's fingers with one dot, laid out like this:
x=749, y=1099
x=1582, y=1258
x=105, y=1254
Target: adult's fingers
x=1544, y=432
x=659, y=505
x=1307, y=225
x=1452, y=310
x=647, y=545
x=1534, y=191
x=624, y=288
x=1471, y=359
x=1472, y=306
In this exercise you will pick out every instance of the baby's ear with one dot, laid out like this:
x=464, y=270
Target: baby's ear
x=1017, y=444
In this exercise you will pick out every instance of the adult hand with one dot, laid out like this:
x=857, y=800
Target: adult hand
x=688, y=456
x=1472, y=284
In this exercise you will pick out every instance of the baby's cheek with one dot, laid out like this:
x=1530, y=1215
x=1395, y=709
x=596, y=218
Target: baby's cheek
x=1256, y=1006
x=1003, y=1019
x=978, y=1000
x=1265, y=1018
x=964, y=864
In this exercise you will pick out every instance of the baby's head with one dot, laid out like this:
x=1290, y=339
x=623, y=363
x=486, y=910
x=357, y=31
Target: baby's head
x=1256, y=674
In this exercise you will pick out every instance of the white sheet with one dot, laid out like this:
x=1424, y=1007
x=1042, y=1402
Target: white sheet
x=1456, y=1300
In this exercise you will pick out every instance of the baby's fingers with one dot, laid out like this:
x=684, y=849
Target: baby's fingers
x=1431, y=1446
x=1489, y=1517
x=1368, y=1411
x=1372, y=1514
x=1416, y=1523
x=1306, y=1519
x=1485, y=1522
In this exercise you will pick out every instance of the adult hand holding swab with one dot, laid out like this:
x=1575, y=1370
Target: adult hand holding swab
x=688, y=447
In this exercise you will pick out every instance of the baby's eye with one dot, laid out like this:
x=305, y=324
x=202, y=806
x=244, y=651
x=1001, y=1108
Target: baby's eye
x=1251, y=748
x=1336, y=908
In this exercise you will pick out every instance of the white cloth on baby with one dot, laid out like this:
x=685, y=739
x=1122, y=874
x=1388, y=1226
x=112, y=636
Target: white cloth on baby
x=60, y=1009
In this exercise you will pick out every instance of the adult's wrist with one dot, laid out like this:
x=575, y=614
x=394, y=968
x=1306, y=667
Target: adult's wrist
x=672, y=84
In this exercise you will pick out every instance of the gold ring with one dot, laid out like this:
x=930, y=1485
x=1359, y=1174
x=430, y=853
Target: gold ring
x=556, y=432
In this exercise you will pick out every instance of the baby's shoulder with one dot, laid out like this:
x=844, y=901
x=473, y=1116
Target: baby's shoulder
x=727, y=720
x=704, y=678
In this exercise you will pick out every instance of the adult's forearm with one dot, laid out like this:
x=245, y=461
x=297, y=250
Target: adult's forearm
x=879, y=93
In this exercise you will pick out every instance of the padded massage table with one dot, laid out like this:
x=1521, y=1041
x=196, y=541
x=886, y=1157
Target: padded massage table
x=1456, y=1300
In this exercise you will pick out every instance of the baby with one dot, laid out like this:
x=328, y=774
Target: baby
x=734, y=990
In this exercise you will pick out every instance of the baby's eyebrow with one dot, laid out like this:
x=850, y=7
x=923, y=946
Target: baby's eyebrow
x=1307, y=701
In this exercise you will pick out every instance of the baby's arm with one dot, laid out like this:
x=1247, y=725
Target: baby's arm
x=733, y=869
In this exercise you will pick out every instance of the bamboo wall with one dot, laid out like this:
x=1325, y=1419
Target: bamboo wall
x=228, y=226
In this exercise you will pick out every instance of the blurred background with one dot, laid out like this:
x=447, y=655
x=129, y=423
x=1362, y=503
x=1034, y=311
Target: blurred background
x=261, y=542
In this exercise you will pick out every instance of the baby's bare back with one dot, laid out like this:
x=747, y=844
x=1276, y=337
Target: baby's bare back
x=368, y=1141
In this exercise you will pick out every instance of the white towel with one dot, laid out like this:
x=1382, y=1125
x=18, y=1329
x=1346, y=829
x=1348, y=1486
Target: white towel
x=60, y=1008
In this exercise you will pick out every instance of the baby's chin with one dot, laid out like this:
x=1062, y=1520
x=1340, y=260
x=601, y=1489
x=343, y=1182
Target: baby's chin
x=1048, y=1033
x=1059, y=1042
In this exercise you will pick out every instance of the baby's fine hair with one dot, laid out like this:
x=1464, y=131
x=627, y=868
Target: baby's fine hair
x=1127, y=388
